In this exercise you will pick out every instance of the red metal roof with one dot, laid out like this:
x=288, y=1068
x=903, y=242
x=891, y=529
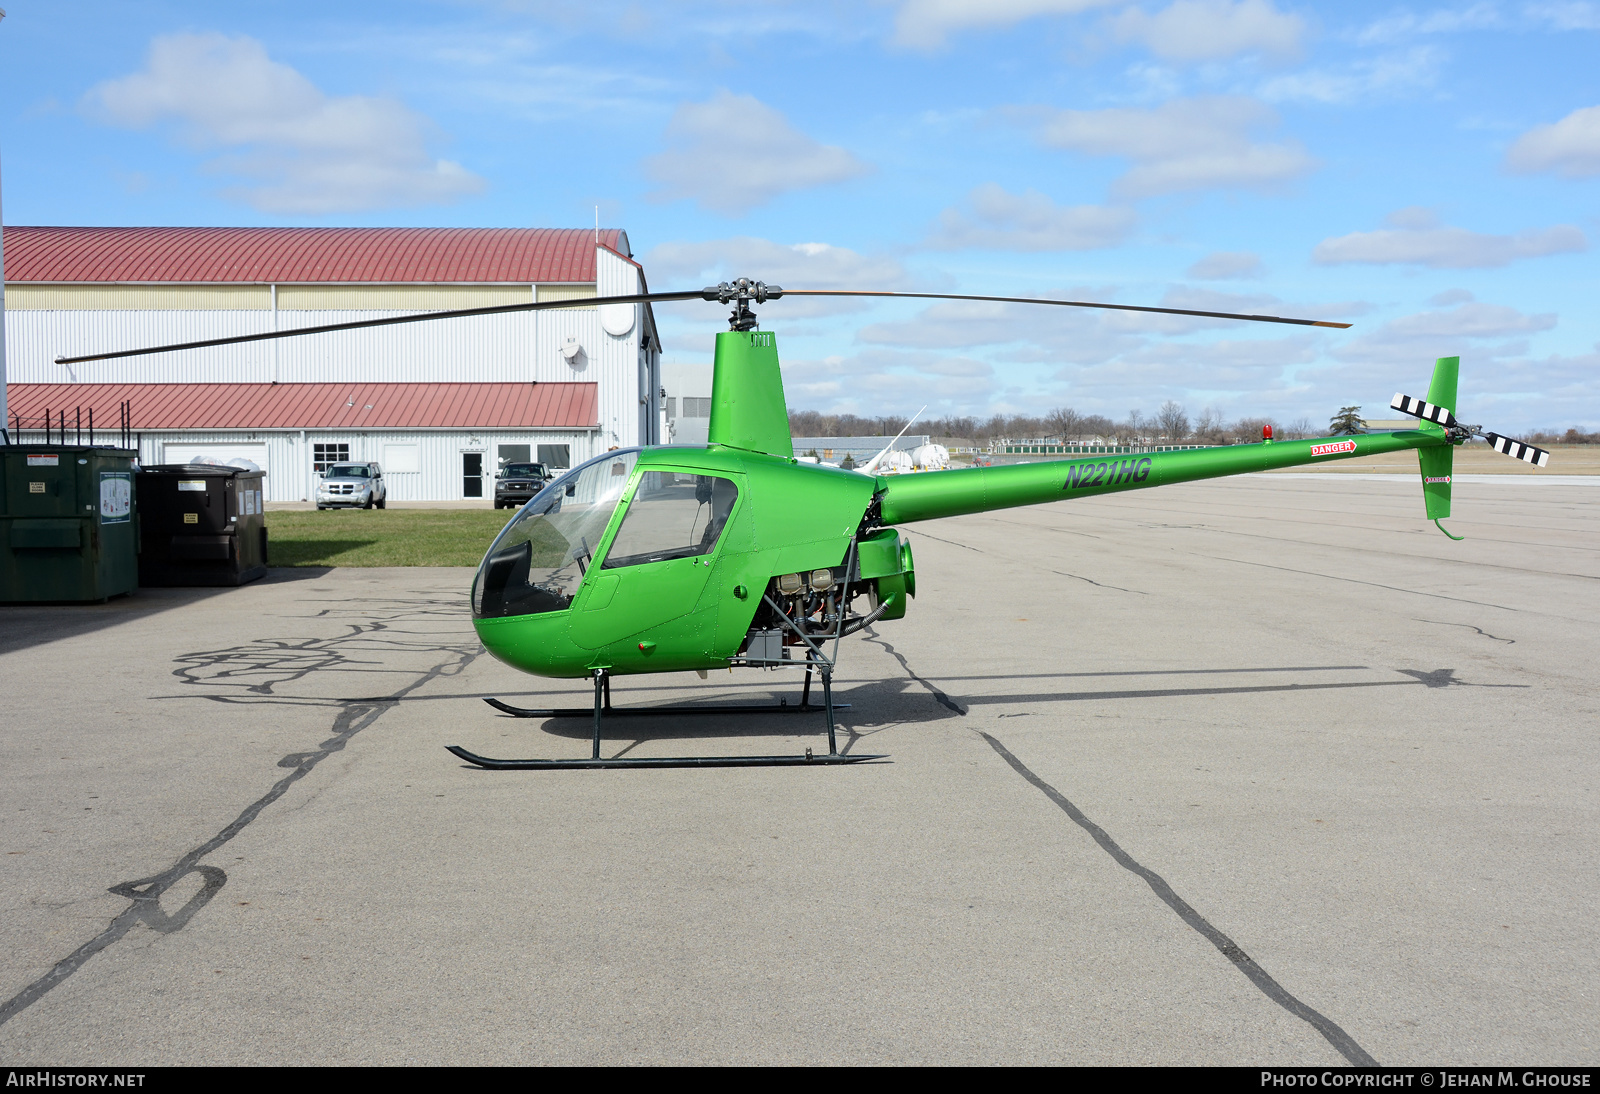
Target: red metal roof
x=312, y=406
x=300, y=255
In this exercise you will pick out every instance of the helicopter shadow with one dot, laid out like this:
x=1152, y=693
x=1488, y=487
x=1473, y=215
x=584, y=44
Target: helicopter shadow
x=873, y=706
x=878, y=705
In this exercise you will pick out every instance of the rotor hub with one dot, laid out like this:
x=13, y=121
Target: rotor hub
x=740, y=293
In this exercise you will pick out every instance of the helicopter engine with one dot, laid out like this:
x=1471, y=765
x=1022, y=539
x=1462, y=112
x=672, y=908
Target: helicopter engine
x=822, y=604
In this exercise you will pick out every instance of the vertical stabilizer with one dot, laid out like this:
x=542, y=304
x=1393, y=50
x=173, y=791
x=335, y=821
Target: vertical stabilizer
x=1442, y=391
x=747, y=406
x=1436, y=462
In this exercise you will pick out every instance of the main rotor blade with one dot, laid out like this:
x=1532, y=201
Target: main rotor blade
x=710, y=294
x=1066, y=304
x=295, y=332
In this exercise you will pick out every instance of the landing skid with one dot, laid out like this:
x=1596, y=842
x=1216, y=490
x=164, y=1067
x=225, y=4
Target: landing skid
x=665, y=761
x=603, y=709
x=783, y=707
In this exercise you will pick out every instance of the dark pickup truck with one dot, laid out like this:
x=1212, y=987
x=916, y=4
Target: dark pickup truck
x=518, y=482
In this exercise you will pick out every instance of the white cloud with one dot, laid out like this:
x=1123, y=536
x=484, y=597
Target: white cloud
x=805, y=265
x=1209, y=30
x=1570, y=147
x=1417, y=238
x=1020, y=333
x=1463, y=330
x=1226, y=266
x=305, y=153
x=1418, y=67
x=1185, y=144
x=926, y=24
x=734, y=153
x=1407, y=24
x=1567, y=14
x=1084, y=335
x=881, y=381
x=1030, y=221
x=790, y=265
x=1472, y=319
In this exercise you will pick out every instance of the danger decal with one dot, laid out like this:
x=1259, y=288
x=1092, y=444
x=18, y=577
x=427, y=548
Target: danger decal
x=1333, y=448
x=1436, y=478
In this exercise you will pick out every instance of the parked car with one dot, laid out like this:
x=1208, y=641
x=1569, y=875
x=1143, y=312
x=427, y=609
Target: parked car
x=518, y=482
x=352, y=485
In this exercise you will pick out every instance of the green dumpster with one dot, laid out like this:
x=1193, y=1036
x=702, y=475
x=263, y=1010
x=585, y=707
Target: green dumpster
x=68, y=523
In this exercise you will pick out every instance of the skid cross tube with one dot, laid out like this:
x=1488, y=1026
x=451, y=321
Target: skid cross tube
x=603, y=708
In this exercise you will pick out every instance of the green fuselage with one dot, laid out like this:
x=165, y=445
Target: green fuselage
x=693, y=613
x=692, y=606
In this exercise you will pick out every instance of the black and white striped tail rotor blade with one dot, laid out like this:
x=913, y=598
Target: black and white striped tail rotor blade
x=1525, y=452
x=1417, y=408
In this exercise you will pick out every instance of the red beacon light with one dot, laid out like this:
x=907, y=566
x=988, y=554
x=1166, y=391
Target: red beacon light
x=1266, y=434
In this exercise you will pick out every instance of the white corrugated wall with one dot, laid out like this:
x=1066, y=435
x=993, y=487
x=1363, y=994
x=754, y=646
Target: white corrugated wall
x=288, y=458
x=496, y=348
x=507, y=348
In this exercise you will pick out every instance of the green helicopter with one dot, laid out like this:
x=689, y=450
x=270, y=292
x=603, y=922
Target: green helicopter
x=737, y=554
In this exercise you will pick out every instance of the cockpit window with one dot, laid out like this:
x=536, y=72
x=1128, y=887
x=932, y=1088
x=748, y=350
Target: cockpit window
x=538, y=560
x=672, y=515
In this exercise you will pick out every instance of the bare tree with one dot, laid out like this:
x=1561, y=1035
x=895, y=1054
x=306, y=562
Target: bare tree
x=1250, y=430
x=1173, y=422
x=1064, y=422
x=1299, y=429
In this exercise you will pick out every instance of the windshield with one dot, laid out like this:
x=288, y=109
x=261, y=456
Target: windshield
x=537, y=561
x=349, y=471
x=522, y=471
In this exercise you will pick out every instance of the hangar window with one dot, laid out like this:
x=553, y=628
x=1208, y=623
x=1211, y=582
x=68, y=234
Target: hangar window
x=324, y=456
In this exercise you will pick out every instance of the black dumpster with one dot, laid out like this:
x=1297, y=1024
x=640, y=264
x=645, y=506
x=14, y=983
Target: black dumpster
x=67, y=522
x=201, y=524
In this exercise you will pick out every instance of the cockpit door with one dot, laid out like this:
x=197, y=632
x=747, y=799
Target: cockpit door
x=658, y=563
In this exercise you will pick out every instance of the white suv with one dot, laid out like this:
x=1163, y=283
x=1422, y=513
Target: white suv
x=352, y=485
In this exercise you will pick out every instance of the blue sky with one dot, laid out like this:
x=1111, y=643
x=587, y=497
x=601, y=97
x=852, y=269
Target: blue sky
x=1429, y=173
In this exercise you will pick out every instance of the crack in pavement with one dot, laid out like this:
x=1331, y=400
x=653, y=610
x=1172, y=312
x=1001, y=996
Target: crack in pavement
x=1341, y=1041
x=145, y=893
x=1469, y=626
x=1092, y=581
x=940, y=697
x=1358, y=581
x=951, y=542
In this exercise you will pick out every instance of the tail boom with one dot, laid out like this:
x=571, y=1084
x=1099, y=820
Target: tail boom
x=936, y=494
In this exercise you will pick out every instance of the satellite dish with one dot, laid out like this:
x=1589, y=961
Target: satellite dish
x=571, y=349
x=617, y=319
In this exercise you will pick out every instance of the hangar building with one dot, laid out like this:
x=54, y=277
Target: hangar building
x=442, y=405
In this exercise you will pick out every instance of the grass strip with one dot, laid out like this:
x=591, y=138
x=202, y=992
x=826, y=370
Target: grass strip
x=381, y=537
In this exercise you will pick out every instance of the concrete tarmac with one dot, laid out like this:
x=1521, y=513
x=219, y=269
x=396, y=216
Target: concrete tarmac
x=1255, y=771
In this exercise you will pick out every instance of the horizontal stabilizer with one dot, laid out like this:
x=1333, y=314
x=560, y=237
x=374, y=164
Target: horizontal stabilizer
x=1405, y=404
x=1526, y=452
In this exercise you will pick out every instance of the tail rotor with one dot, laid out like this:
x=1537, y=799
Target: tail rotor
x=1430, y=412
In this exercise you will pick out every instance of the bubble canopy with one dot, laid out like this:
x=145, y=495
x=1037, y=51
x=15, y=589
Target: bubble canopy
x=539, y=560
